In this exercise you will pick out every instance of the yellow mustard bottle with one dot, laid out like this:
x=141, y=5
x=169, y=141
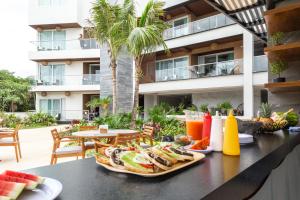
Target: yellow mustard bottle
x=231, y=145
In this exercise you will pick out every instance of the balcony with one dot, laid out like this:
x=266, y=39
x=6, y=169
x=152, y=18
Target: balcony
x=232, y=67
x=65, y=49
x=85, y=82
x=49, y=14
x=66, y=45
x=198, y=26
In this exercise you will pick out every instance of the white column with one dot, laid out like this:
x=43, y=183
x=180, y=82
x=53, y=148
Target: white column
x=149, y=101
x=248, y=53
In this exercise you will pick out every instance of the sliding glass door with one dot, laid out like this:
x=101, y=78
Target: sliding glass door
x=172, y=69
x=52, y=74
x=52, y=40
x=51, y=106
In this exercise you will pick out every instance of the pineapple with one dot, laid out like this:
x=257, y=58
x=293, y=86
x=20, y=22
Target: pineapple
x=265, y=113
x=265, y=116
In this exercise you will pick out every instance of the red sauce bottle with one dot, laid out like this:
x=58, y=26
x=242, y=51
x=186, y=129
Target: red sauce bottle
x=206, y=126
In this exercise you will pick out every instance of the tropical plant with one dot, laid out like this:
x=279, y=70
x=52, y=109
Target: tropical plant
x=9, y=120
x=110, y=28
x=100, y=102
x=192, y=108
x=117, y=121
x=14, y=92
x=277, y=67
x=39, y=119
x=276, y=38
x=145, y=35
x=204, y=107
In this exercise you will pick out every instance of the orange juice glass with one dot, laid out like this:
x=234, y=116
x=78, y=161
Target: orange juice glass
x=194, y=124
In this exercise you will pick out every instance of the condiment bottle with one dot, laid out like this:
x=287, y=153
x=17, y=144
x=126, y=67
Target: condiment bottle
x=206, y=126
x=231, y=145
x=216, y=134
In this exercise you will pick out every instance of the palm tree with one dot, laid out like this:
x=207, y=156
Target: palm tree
x=108, y=28
x=146, y=34
x=102, y=102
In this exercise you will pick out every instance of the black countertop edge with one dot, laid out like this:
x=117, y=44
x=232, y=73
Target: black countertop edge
x=245, y=184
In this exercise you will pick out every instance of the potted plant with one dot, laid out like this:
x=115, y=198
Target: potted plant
x=277, y=68
x=224, y=107
x=276, y=38
x=204, y=107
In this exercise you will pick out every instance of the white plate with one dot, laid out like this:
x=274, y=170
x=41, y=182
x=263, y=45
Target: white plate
x=49, y=190
x=206, y=151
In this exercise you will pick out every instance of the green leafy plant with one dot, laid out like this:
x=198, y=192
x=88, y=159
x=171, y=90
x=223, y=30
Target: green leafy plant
x=224, y=107
x=39, y=119
x=204, y=107
x=276, y=38
x=277, y=67
x=192, y=108
x=172, y=128
x=10, y=120
x=117, y=121
x=100, y=102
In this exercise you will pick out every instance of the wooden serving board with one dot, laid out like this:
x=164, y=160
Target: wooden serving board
x=177, y=166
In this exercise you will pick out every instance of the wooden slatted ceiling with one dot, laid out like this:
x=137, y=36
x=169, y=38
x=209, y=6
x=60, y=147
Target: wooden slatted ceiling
x=248, y=13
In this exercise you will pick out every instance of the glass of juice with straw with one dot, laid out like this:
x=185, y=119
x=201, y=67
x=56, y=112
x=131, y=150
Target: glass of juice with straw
x=194, y=124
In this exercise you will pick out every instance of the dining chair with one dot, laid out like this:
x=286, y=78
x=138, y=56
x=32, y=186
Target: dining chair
x=88, y=144
x=121, y=139
x=11, y=138
x=148, y=133
x=67, y=151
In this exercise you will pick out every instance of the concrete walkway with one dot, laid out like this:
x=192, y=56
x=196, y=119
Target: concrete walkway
x=36, y=148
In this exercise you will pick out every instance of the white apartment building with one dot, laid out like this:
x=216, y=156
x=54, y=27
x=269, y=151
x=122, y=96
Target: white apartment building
x=67, y=57
x=212, y=59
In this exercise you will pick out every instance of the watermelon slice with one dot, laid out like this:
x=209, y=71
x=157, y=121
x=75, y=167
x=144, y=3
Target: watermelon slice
x=31, y=177
x=30, y=185
x=10, y=190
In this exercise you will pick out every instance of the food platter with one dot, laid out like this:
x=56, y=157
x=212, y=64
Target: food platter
x=175, y=167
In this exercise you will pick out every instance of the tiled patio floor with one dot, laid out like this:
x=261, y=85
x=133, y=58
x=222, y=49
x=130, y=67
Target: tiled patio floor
x=36, y=147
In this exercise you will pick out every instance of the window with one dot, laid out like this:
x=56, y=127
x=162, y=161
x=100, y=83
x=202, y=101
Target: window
x=52, y=74
x=180, y=26
x=51, y=106
x=48, y=3
x=216, y=64
x=172, y=69
x=52, y=40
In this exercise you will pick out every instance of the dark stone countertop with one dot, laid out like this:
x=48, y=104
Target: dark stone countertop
x=216, y=177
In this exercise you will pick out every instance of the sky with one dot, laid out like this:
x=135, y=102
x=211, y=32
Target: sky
x=15, y=35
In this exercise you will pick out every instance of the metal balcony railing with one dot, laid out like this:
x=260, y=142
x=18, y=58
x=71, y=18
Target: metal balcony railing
x=85, y=79
x=232, y=67
x=60, y=45
x=197, y=26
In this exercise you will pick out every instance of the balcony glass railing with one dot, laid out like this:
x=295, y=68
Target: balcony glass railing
x=85, y=79
x=65, y=45
x=201, y=25
x=232, y=67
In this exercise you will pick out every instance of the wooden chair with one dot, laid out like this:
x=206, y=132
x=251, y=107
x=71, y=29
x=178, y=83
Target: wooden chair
x=148, y=133
x=121, y=139
x=88, y=144
x=11, y=138
x=70, y=151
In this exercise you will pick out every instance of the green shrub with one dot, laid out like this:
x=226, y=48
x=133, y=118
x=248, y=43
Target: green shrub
x=118, y=121
x=10, y=120
x=39, y=119
x=204, y=107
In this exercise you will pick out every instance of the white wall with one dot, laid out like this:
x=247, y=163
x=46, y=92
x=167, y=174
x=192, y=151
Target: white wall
x=73, y=103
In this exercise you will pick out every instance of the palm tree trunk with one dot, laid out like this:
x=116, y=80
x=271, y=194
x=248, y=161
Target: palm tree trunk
x=114, y=85
x=138, y=71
